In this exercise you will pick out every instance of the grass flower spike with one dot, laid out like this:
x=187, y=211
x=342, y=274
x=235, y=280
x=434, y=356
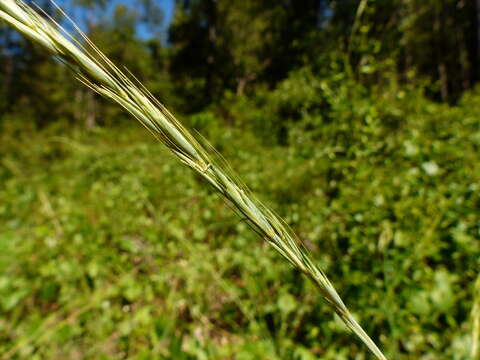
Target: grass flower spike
x=96, y=71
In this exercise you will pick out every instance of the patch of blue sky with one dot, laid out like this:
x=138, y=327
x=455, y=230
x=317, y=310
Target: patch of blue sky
x=143, y=31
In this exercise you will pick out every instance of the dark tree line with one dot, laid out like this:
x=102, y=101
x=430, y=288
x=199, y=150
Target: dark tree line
x=220, y=46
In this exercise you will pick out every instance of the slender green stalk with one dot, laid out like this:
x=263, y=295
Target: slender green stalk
x=96, y=71
x=362, y=6
x=476, y=321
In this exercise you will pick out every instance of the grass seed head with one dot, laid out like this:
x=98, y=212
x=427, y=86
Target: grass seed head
x=95, y=70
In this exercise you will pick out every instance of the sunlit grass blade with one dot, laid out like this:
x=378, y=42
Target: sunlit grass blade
x=476, y=321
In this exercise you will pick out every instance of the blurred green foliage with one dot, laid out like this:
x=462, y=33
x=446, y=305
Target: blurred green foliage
x=355, y=120
x=212, y=49
x=110, y=249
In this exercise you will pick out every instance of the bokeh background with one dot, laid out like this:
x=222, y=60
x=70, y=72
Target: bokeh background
x=358, y=121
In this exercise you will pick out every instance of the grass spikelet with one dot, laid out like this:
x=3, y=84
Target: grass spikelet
x=94, y=69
